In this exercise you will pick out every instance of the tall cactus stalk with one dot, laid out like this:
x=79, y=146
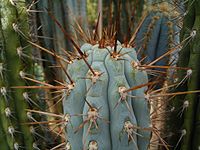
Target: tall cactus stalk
x=157, y=42
x=18, y=68
x=13, y=105
x=5, y=141
x=158, y=33
x=53, y=38
x=4, y=121
x=187, y=125
x=190, y=123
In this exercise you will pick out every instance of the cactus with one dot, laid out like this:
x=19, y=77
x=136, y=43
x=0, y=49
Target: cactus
x=157, y=44
x=187, y=125
x=105, y=90
x=17, y=66
x=5, y=141
x=99, y=107
x=131, y=122
x=158, y=32
x=13, y=105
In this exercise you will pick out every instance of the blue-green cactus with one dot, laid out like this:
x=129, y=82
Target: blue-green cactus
x=101, y=111
x=159, y=32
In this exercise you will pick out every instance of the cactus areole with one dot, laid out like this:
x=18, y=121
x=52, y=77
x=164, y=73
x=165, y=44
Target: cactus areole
x=104, y=113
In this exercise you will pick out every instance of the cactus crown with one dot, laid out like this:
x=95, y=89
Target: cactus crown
x=107, y=111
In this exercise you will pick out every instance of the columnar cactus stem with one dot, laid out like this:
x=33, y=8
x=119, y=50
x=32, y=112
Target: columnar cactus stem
x=189, y=57
x=6, y=142
x=158, y=35
x=13, y=106
x=102, y=100
x=19, y=102
x=64, y=11
x=158, y=32
x=193, y=84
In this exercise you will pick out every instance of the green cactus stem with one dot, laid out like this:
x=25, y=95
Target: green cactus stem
x=13, y=105
x=189, y=57
x=6, y=141
x=192, y=84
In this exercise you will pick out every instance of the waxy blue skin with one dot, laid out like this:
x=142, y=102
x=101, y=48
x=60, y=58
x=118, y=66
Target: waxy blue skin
x=137, y=77
x=121, y=113
x=73, y=104
x=104, y=96
x=158, y=37
x=163, y=42
x=97, y=97
x=153, y=36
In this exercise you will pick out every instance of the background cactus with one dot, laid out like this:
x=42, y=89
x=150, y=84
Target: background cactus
x=158, y=33
x=157, y=44
x=52, y=38
x=186, y=126
x=127, y=13
x=19, y=67
x=13, y=104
